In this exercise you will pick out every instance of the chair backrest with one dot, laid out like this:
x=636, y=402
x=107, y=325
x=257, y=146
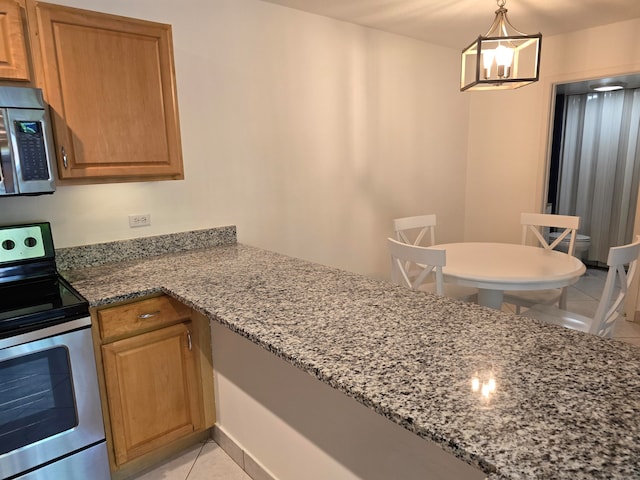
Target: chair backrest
x=428, y=260
x=535, y=222
x=610, y=304
x=426, y=224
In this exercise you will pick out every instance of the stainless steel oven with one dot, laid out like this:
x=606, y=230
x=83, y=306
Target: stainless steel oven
x=50, y=416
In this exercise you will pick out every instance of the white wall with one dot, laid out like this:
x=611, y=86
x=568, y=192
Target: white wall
x=307, y=133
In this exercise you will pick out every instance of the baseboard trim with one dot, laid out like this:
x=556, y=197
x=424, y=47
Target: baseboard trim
x=250, y=465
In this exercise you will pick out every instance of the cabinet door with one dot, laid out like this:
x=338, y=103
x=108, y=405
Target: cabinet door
x=13, y=48
x=151, y=390
x=110, y=83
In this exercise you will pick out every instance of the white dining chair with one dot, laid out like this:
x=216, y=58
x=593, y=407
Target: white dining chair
x=416, y=230
x=429, y=263
x=608, y=311
x=537, y=225
x=413, y=230
x=420, y=230
x=420, y=268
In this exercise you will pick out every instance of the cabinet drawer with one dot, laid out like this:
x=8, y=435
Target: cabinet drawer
x=140, y=316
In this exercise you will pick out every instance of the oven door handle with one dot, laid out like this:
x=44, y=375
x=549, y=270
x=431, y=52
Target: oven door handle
x=45, y=332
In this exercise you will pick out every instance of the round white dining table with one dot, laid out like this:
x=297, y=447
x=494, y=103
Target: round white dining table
x=496, y=267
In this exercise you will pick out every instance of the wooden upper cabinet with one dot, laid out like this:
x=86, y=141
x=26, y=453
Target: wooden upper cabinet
x=110, y=83
x=13, y=42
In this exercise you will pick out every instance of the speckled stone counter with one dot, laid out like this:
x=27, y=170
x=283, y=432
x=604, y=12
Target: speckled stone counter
x=143, y=247
x=566, y=404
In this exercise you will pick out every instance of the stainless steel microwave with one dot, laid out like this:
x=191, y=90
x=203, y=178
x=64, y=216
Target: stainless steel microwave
x=26, y=143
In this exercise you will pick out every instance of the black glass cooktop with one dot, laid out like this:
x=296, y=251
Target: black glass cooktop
x=32, y=304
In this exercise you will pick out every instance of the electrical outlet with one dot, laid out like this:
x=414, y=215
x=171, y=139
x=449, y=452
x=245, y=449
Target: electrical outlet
x=142, y=220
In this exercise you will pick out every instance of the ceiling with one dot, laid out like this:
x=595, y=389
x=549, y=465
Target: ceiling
x=456, y=23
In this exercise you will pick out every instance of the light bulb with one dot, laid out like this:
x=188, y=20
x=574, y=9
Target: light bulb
x=504, y=58
x=487, y=59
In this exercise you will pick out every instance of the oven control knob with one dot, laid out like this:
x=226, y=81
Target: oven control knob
x=8, y=245
x=30, y=242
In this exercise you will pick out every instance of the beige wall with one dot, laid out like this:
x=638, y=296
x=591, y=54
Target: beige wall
x=509, y=131
x=307, y=133
x=311, y=134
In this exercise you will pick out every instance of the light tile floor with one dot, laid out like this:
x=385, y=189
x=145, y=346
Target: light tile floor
x=208, y=461
x=204, y=461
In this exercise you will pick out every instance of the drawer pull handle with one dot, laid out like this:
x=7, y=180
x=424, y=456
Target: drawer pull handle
x=144, y=316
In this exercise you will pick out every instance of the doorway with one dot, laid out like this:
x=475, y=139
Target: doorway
x=595, y=160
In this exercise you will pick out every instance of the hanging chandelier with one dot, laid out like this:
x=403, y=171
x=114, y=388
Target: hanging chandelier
x=504, y=58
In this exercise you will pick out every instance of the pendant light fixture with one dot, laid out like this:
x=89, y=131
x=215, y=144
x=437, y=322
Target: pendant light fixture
x=504, y=58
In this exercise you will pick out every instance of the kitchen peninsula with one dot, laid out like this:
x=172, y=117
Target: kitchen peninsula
x=565, y=404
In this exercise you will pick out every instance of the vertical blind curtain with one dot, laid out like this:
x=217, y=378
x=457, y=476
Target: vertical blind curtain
x=599, y=167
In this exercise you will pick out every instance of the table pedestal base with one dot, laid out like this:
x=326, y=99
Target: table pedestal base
x=490, y=298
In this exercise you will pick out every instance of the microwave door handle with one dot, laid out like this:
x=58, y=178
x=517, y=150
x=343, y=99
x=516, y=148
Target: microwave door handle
x=5, y=163
x=7, y=168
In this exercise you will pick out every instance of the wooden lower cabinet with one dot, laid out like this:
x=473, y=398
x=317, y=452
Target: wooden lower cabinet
x=157, y=379
x=152, y=390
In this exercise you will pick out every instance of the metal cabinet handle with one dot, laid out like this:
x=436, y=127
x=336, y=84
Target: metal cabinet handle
x=144, y=316
x=64, y=158
x=189, y=344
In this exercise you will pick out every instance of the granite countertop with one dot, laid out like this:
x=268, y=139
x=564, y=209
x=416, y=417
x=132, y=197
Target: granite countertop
x=566, y=404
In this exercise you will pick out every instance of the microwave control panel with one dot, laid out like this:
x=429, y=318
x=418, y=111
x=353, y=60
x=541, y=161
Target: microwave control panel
x=33, y=155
